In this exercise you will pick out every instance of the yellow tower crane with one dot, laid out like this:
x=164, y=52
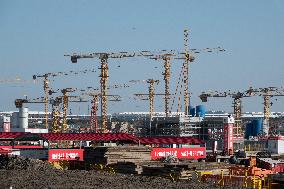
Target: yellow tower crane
x=237, y=105
x=150, y=95
x=46, y=87
x=267, y=93
x=19, y=102
x=56, y=102
x=65, y=107
x=165, y=55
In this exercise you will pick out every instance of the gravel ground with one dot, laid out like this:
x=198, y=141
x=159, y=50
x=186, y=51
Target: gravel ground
x=26, y=173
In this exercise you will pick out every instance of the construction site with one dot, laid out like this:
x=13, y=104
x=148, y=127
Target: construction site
x=176, y=142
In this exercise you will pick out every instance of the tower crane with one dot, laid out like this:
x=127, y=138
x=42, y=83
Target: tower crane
x=104, y=76
x=19, y=102
x=237, y=96
x=55, y=102
x=65, y=106
x=46, y=81
x=151, y=94
x=95, y=99
x=89, y=91
x=65, y=98
x=165, y=55
x=267, y=93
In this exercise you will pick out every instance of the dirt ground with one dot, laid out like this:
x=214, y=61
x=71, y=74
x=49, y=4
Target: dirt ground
x=27, y=173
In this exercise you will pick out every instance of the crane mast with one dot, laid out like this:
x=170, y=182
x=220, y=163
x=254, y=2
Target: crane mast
x=46, y=86
x=151, y=93
x=46, y=89
x=167, y=66
x=104, y=79
x=266, y=93
x=164, y=55
x=46, y=93
x=94, y=109
x=55, y=128
x=186, y=74
x=65, y=107
x=237, y=105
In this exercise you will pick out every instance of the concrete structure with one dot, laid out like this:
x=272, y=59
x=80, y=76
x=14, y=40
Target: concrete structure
x=276, y=144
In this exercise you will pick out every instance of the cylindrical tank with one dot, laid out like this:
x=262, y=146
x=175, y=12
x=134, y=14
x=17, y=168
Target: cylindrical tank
x=192, y=111
x=257, y=127
x=23, y=118
x=248, y=132
x=200, y=111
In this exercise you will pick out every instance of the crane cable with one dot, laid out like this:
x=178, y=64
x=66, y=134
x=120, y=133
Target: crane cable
x=180, y=92
x=177, y=86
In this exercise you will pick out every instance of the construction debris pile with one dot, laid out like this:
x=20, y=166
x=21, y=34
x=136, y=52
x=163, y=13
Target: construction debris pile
x=13, y=173
x=106, y=155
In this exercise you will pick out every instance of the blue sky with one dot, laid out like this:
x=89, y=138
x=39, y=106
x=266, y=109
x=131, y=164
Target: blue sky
x=34, y=36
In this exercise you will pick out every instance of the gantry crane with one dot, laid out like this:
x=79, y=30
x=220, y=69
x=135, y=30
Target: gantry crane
x=150, y=95
x=46, y=89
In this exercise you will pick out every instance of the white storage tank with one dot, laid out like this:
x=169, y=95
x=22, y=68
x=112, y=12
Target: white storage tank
x=23, y=118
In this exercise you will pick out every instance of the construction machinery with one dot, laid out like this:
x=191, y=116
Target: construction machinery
x=237, y=96
x=267, y=93
x=46, y=89
x=95, y=95
x=19, y=102
x=65, y=99
x=165, y=55
x=95, y=100
x=89, y=91
x=65, y=106
x=150, y=95
x=56, y=102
